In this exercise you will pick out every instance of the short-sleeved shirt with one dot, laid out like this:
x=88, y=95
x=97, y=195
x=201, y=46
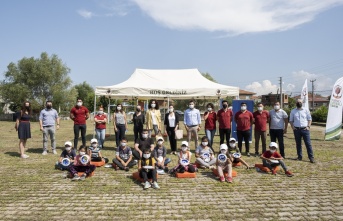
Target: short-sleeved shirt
x=243, y=120
x=48, y=117
x=160, y=152
x=185, y=156
x=210, y=122
x=71, y=155
x=261, y=119
x=277, y=119
x=94, y=151
x=300, y=117
x=144, y=144
x=100, y=125
x=233, y=150
x=201, y=150
x=124, y=153
x=224, y=118
x=80, y=114
x=145, y=162
x=268, y=154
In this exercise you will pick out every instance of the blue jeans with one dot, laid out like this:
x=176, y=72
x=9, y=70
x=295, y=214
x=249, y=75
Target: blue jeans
x=305, y=134
x=278, y=134
x=100, y=134
x=210, y=135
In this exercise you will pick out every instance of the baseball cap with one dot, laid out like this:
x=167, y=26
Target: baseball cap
x=273, y=144
x=68, y=143
x=232, y=139
x=223, y=146
x=94, y=140
x=184, y=143
x=160, y=138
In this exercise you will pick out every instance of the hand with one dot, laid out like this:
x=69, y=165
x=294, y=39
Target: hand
x=58, y=126
x=41, y=129
x=198, y=128
x=307, y=128
x=115, y=129
x=285, y=131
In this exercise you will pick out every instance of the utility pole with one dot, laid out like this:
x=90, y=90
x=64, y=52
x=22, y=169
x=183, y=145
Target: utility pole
x=281, y=98
x=312, y=81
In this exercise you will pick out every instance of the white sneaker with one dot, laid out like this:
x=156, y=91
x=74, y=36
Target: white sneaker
x=155, y=185
x=24, y=156
x=147, y=185
x=108, y=166
x=54, y=152
x=45, y=152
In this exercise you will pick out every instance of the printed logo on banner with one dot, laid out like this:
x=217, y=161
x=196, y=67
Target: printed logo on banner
x=337, y=92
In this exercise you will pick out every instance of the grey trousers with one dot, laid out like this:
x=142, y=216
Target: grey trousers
x=49, y=131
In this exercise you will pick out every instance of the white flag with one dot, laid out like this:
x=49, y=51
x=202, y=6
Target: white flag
x=304, y=96
x=334, y=119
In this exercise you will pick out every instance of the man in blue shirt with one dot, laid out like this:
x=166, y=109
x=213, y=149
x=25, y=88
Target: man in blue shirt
x=192, y=122
x=300, y=120
x=47, y=119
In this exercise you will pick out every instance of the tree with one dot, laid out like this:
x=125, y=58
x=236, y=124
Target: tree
x=37, y=80
x=86, y=93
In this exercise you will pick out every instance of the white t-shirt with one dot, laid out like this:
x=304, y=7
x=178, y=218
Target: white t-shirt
x=171, y=120
x=153, y=117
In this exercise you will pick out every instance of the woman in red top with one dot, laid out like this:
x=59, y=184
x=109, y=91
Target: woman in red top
x=210, y=118
x=100, y=126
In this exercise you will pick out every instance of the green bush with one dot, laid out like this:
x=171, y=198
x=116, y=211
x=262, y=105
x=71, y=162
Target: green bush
x=320, y=115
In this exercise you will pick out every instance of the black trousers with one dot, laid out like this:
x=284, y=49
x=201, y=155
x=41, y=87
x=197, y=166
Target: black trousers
x=77, y=129
x=224, y=133
x=243, y=135
x=148, y=174
x=121, y=166
x=172, y=139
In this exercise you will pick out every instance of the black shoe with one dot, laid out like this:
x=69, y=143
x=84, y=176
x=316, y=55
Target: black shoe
x=312, y=160
x=127, y=169
x=299, y=159
x=248, y=154
x=257, y=154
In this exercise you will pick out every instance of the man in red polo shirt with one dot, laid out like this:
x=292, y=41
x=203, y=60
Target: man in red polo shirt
x=79, y=114
x=224, y=117
x=244, y=120
x=261, y=118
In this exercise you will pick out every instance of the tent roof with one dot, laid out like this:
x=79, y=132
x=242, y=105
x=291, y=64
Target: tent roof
x=177, y=84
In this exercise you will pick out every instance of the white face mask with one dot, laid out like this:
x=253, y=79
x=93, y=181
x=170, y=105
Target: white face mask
x=277, y=107
x=260, y=108
x=171, y=109
x=123, y=144
x=191, y=106
x=272, y=151
x=82, y=153
x=204, y=143
x=232, y=144
x=160, y=142
x=153, y=105
x=145, y=136
x=243, y=108
x=209, y=109
x=68, y=148
x=79, y=104
x=94, y=145
x=184, y=149
x=146, y=155
x=100, y=112
x=223, y=151
x=119, y=108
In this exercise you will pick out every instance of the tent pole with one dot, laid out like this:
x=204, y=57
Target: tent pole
x=94, y=116
x=109, y=115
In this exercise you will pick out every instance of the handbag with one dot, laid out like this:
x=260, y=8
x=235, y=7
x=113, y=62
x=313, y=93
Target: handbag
x=179, y=134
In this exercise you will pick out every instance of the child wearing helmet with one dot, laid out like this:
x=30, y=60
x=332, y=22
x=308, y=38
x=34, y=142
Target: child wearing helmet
x=67, y=153
x=160, y=153
x=95, y=153
x=224, y=164
x=184, y=159
x=81, y=164
x=235, y=155
x=271, y=159
x=147, y=170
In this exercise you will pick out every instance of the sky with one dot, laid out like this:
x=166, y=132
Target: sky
x=245, y=43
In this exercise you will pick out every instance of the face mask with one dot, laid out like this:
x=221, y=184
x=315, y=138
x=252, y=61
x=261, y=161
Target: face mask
x=82, y=153
x=68, y=148
x=119, y=108
x=145, y=136
x=100, y=112
x=277, y=107
x=153, y=105
x=272, y=151
x=27, y=107
x=79, y=104
x=94, y=145
x=159, y=142
x=224, y=105
x=191, y=106
x=184, y=149
x=243, y=108
x=209, y=109
x=123, y=144
x=223, y=151
x=204, y=143
x=138, y=110
x=260, y=108
x=146, y=155
x=299, y=105
x=171, y=109
x=48, y=106
x=232, y=144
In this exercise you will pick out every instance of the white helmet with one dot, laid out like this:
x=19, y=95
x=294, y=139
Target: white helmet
x=223, y=146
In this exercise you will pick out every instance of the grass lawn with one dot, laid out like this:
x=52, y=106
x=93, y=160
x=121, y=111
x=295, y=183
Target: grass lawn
x=31, y=189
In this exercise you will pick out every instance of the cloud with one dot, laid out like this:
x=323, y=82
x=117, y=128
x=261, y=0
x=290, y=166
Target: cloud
x=265, y=88
x=234, y=17
x=86, y=14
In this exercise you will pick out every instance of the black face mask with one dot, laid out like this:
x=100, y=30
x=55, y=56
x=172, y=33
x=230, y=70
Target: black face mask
x=48, y=106
x=138, y=110
x=299, y=105
x=224, y=105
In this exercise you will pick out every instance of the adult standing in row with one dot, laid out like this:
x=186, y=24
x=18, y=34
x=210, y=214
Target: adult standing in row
x=210, y=118
x=278, y=122
x=22, y=125
x=153, y=117
x=119, y=123
x=192, y=122
x=171, y=124
x=79, y=114
x=47, y=119
x=300, y=120
x=224, y=116
x=100, y=126
x=244, y=120
x=138, y=120
x=261, y=118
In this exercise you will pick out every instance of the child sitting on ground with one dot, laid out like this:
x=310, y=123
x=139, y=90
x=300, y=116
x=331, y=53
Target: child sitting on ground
x=68, y=153
x=224, y=164
x=146, y=168
x=160, y=153
x=184, y=157
x=95, y=153
x=123, y=158
x=235, y=155
x=205, y=155
x=271, y=159
x=81, y=166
